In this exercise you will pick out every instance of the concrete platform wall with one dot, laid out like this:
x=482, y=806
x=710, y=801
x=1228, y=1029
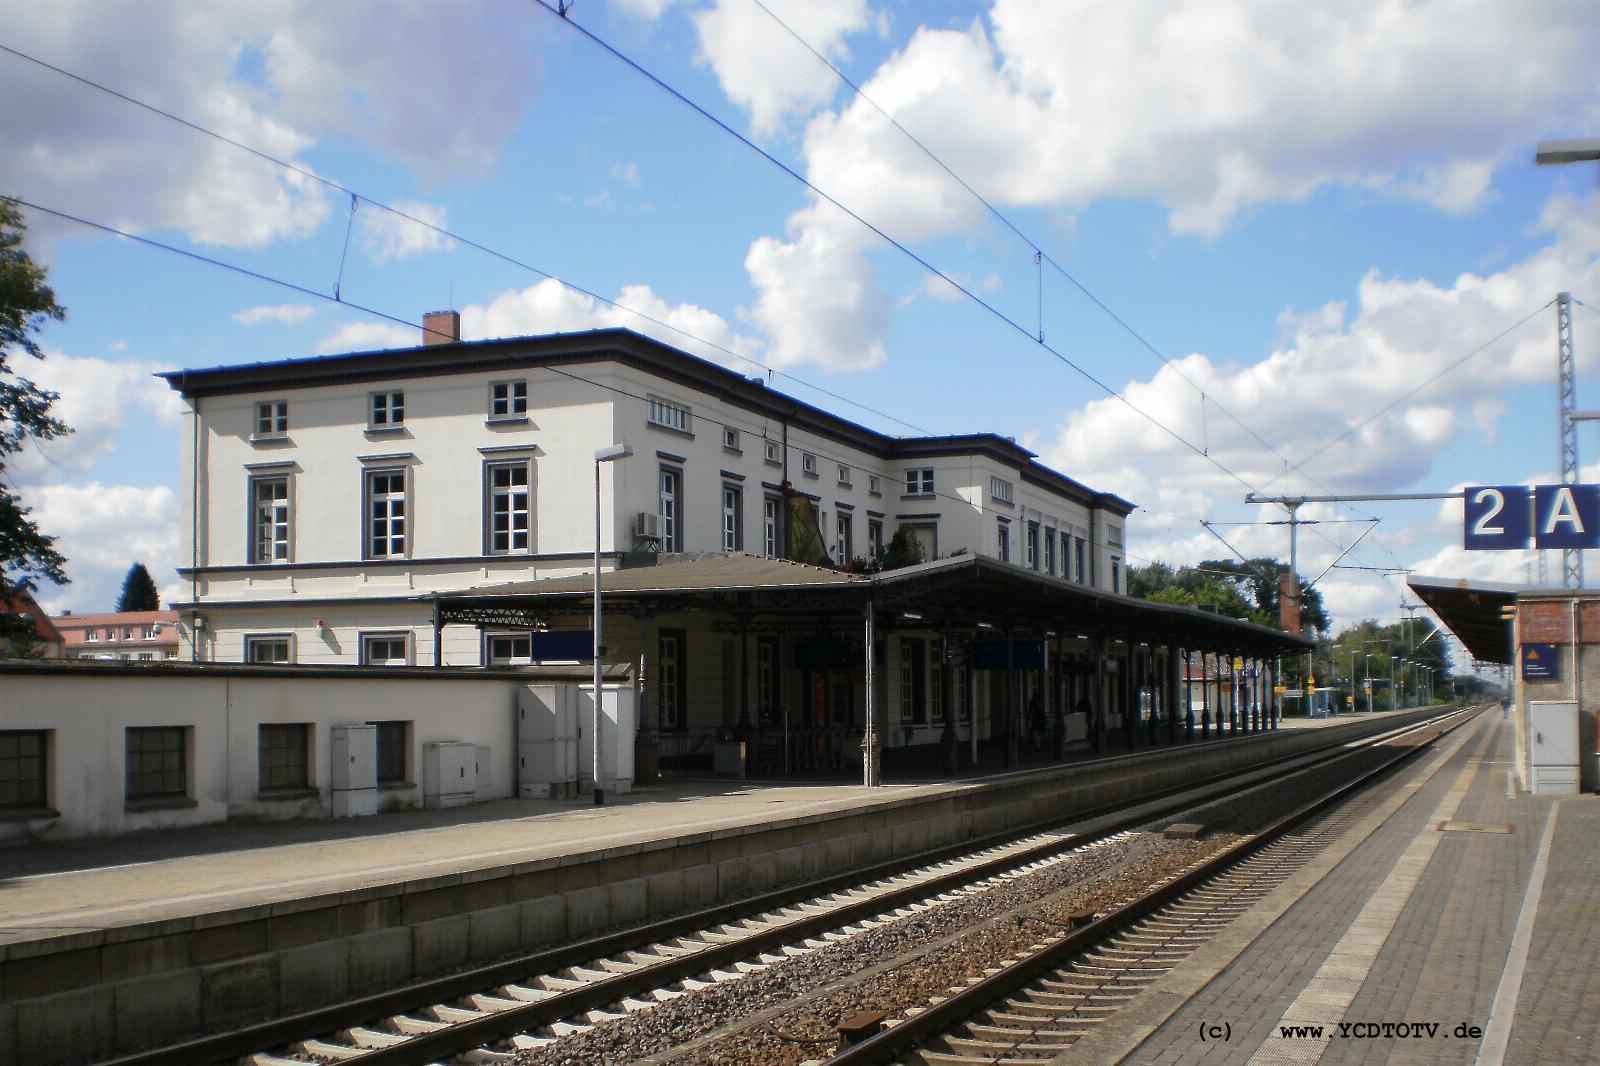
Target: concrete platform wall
x=84, y=996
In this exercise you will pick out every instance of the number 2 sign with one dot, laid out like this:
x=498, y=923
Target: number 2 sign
x=1501, y=517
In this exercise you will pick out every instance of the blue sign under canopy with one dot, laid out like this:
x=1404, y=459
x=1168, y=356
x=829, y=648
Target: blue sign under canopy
x=1024, y=655
x=1539, y=662
x=564, y=646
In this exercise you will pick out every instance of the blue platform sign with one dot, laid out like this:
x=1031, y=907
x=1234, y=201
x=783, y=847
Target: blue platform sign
x=1539, y=662
x=1498, y=517
x=1566, y=516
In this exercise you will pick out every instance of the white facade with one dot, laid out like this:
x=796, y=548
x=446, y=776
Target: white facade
x=325, y=498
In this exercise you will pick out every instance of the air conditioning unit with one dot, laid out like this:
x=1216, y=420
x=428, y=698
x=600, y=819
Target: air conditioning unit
x=647, y=526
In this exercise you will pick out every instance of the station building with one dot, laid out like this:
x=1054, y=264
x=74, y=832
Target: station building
x=439, y=505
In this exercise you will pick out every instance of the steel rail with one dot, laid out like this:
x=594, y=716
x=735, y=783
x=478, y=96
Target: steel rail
x=934, y=1020
x=493, y=1027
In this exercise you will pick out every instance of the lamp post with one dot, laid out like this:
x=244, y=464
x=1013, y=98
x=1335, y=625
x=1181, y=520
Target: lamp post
x=604, y=455
x=1366, y=668
x=1393, y=663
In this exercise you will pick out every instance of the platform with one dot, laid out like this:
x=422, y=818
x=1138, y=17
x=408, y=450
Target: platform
x=1458, y=922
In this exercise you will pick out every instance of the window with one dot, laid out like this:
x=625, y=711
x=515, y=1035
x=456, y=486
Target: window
x=671, y=679
x=127, y=632
x=874, y=486
x=1116, y=574
x=22, y=768
x=671, y=493
x=386, y=514
x=1003, y=544
x=874, y=538
x=145, y=655
x=385, y=649
x=1078, y=547
x=999, y=490
x=148, y=633
x=936, y=681
x=808, y=464
x=388, y=410
x=730, y=439
x=508, y=399
x=284, y=757
x=842, y=545
x=394, y=749
x=1050, y=551
x=269, y=520
x=668, y=415
x=510, y=649
x=510, y=516
x=156, y=765
x=769, y=526
x=272, y=418
x=913, y=681
x=91, y=635
x=732, y=523
x=919, y=482
x=844, y=475
x=1033, y=546
x=267, y=649
x=771, y=449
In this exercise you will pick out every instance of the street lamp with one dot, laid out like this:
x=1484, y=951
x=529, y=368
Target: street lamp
x=1367, y=669
x=604, y=455
x=1394, y=661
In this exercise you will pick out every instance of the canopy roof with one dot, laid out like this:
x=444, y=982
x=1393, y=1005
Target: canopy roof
x=1473, y=611
x=960, y=592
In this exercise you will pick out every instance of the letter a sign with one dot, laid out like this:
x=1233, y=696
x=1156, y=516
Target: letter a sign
x=1566, y=516
x=1508, y=517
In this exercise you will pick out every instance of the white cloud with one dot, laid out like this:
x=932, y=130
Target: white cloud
x=762, y=68
x=386, y=235
x=369, y=336
x=99, y=399
x=550, y=307
x=102, y=530
x=278, y=75
x=284, y=314
x=627, y=173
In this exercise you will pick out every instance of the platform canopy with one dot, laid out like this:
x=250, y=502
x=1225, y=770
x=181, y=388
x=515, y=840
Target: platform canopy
x=1473, y=611
x=959, y=592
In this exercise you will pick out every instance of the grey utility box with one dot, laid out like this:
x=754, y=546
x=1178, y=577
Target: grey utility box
x=353, y=773
x=449, y=774
x=1553, y=748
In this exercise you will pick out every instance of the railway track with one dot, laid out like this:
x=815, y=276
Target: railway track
x=497, y=1013
x=1034, y=1007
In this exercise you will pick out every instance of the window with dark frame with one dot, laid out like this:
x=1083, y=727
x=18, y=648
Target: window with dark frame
x=808, y=464
x=769, y=523
x=283, y=757
x=22, y=768
x=1050, y=552
x=1082, y=572
x=272, y=418
x=874, y=539
x=272, y=650
x=672, y=680
x=510, y=515
x=1033, y=545
x=508, y=399
x=385, y=649
x=387, y=410
x=156, y=763
x=669, y=498
x=386, y=514
x=919, y=482
x=394, y=749
x=1003, y=541
x=269, y=520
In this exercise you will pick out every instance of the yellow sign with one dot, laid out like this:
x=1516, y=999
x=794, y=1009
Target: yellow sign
x=1311, y=682
x=1280, y=689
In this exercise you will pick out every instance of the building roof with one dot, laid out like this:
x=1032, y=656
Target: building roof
x=1473, y=611
x=115, y=618
x=23, y=604
x=964, y=591
x=632, y=349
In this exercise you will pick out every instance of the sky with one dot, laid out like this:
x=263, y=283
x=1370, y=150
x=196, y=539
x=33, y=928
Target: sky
x=1183, y=251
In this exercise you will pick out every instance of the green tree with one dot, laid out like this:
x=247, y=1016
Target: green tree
x=903, y=550
x=139, y=591
x=26, y=303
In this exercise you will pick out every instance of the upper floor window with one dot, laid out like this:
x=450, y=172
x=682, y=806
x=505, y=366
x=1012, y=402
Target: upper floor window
x=386, y=508
x=772, y=452
x=1083, y=573
x=1000, y=490
x=1003, y=542
x=508, y=399
x=1033, y=545
x=808, y=464
x=874, y=486
x=508, y=649
x=1116, y=574
x=732, y=522
x=388, y=409
x=844, y=549
x=272, y=418
x=668, y=415
x=769, y=526
x=268, y=649
x=668, y=500
x=385, y=649
x=510, y=517
x=874, y=539
x=919, y=481
x=730, y=439
x=844, y=475
x=149, y=633
x=269, y=520
x=91, y=635
x=1050, y=551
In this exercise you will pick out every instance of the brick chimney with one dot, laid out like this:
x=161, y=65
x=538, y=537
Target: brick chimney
x=441, y=327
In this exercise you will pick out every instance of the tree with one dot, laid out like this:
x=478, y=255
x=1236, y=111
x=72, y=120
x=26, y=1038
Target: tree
x=139, y=591
x=26, y=303
x=903, y=550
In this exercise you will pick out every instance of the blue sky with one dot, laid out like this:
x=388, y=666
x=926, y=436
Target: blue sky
x=1308, y=215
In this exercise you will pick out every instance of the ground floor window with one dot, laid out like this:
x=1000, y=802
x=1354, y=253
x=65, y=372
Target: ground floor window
x=22, y=768
x=285, y=757
x=394, y=750
x=672, y=695
x=156, y=764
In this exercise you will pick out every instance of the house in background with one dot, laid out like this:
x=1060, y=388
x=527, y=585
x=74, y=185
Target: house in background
x=137, y=635
x=47, y=640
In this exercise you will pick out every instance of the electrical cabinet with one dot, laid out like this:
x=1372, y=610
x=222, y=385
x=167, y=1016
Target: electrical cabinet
x=353, y=773
x=449, y=774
